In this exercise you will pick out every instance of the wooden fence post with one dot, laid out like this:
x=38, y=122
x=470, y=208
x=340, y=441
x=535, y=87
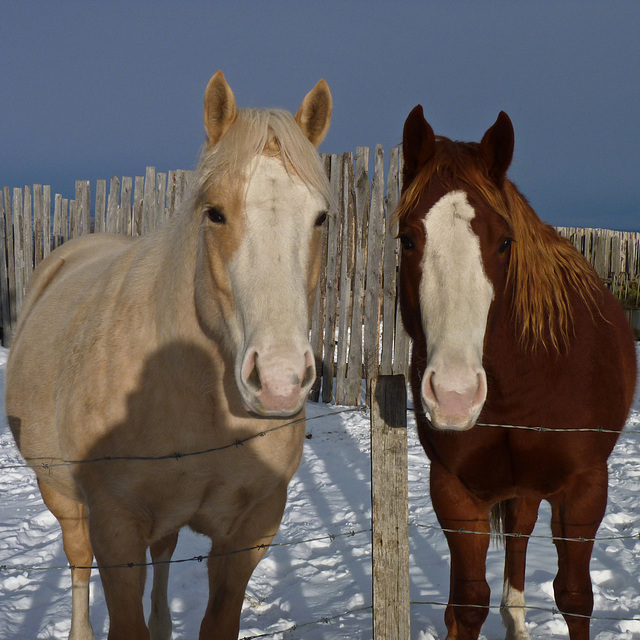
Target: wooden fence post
x=390, y=508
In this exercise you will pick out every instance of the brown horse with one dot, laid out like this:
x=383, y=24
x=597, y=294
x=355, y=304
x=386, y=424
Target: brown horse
x=190, y=339
x=510, y=326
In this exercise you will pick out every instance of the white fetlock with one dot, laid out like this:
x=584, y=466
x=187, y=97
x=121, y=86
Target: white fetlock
x=513, y=611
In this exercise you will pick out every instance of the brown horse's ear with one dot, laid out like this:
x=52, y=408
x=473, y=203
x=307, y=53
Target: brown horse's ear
x=497, y=148
x=314, y=114
x=418, y=144
x=219, y=108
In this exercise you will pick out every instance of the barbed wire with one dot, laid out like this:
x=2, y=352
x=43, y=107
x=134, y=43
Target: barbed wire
x=57, y=462
x=635, y=536
x=560, y=429
x=527, y=607
x=4, y=568
x=540, y=429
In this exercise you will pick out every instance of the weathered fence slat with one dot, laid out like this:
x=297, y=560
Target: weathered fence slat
x=46, y=221
x=75, y=222
x=149, y=220
x=362, y=201
x=18, y=235
x=134, y=228
x=57, y=221
x=101, y=203
x=11, y=264
x=390, y=508
x=5, y=295
x=317, y=314
x=346, y=275
x=161, y=190
x=64, y=218
x=27, y=233
x=333, y=242
x=112, y=206
x=38, y=215
x=124, y=218
x=373, y=286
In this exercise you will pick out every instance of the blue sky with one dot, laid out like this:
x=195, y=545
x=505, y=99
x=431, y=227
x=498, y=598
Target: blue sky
x=92, y=89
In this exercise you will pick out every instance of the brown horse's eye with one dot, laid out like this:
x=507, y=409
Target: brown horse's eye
x=504, y=246
x=407, y=242
x=216, y=215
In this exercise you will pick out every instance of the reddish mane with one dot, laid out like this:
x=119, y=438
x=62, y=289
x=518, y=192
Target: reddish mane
x=544, y=266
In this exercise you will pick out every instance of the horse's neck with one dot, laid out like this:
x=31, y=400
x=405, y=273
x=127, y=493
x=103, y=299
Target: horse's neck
x=174, y=311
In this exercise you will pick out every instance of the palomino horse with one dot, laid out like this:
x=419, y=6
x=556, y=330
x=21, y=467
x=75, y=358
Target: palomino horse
x=188, y=340
x=510, y=326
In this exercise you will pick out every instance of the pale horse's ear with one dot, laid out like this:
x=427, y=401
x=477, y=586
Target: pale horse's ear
x=314, y=114
x=219, y=108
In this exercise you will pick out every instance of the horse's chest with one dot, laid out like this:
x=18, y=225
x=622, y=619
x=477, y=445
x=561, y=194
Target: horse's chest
x=213, y=492
x=494, y=464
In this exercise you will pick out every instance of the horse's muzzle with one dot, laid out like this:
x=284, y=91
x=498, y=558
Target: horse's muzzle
x=276, y=382
x=453, y=400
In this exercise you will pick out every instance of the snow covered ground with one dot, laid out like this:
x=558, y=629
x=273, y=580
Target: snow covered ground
x=316, y=583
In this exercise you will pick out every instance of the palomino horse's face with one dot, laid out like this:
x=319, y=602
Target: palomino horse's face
x=455, y=255
x=260, y=256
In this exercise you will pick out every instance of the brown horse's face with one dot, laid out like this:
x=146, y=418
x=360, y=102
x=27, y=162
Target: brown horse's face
x=259, y=254
x=455, y=252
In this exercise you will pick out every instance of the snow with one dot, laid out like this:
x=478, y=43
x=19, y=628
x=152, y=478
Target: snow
x=316, y=582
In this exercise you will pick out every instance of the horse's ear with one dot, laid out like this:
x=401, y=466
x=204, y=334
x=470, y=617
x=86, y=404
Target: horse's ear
x=314, y=114
x=219, y=108
x=497, y=148
x=418, y=144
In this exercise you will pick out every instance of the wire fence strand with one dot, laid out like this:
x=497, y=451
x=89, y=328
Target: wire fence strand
x=634, y=536
x=501, y=607
x=4, y=568
x=57, y=462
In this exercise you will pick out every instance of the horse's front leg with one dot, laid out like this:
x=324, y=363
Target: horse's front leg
x=576, y=514
x=520, y=518
x=232, y=563
x=458, y=513
x=75, y=537
x=160, y=617
x=120, y=550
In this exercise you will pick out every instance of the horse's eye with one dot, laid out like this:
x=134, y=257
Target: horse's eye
x=406, y=242
x=504, y=246
x=216, y=215
x=321, y=218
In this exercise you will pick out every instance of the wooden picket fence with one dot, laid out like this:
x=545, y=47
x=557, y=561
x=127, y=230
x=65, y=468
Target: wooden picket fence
x=356, y=331
x=615, y=255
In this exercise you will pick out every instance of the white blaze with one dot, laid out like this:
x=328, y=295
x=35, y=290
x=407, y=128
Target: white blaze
x=269, y=278
x=455, y=295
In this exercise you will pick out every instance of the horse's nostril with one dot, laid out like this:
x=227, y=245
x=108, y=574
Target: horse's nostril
x=309, y=376
x=253, y=381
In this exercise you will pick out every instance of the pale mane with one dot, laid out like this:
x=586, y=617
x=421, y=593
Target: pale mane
x=252, y=132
